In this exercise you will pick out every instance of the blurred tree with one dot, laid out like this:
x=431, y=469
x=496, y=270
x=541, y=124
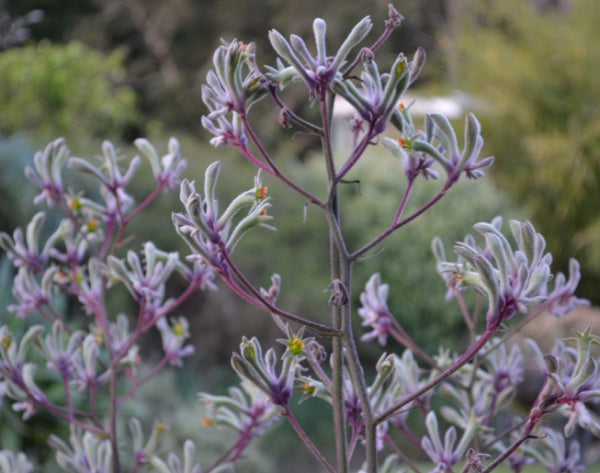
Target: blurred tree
x=169, y=44
x=64, y=90
x=538, y=70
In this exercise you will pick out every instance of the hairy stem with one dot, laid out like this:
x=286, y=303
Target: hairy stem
x=464, y=359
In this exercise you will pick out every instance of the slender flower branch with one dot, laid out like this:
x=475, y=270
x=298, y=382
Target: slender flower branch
x=356, y=154
x=405, y=197
x=257, y=299
x=287, y=114
x=369, y=246
x=459, y=363
x=274, y=170
x=394, y=20
x=405, y=458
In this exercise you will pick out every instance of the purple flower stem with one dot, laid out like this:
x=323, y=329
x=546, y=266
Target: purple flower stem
x=353, y=440
x=504, y=434
x=316, y=367
x=51, y=316
x=306, y=439
x=170, y=308
x=465, y=311
x=147, y=201
x=464, y=359
x=289, y=113
x=139, y=383
x=411, y=182
x=256, y=299
x=356, y=154
x=65, y=381
x=516, y=328
x=69, y=416
x=361, y=251
x=110, y=231
x=274, y=170
x=401, y=454
x=113, y=416
x=402, y=337
x=409, y=435
x=390, y=26
x=238, y=448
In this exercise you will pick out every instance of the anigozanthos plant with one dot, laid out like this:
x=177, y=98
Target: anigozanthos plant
x=88, y=255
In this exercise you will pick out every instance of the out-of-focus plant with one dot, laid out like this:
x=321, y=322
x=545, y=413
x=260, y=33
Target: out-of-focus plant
x=534, y=72
x=317, y=356
x=46, y=89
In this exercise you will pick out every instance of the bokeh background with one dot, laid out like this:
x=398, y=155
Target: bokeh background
x=91, y=70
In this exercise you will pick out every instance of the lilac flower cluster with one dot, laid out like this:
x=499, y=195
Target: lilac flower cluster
x=83, y=259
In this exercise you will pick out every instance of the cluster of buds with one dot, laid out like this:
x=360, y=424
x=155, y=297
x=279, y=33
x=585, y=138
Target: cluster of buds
x=146, y=281
x=17, y=373
x=147, y=451
x=374, y=310
x=378, y=96
x=230, y=90
x=85, y=451
x=250, y=364
x=512, y=279
x=438, y=143
x=447, y=453
x=247, y=410
x=493, y=385
x=80, y=259
x=573, y=381
x=206, y=232
x=320, y=72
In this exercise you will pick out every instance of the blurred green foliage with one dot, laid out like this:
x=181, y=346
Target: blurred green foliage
x=537, y=75
x=68, y=90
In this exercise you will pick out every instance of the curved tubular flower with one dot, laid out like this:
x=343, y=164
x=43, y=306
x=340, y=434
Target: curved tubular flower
x=563, y=295
x=250, y=364
x=511, y=278
x=84, y=364
x=108, y=174
x=552, y=452
x=146, y=283
x=24, y=250
x=374, y=310
x=86, y=452
x=18, y=375
x=248, y=411
x=444, y=454
x=173, y=337
x=59, y=354
x=32, y=293
x=575, y=381
x=174, y=463
x=11, y=463
x=46, y=174
x=168, y=169
x=317, y=72
x=231, y=88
